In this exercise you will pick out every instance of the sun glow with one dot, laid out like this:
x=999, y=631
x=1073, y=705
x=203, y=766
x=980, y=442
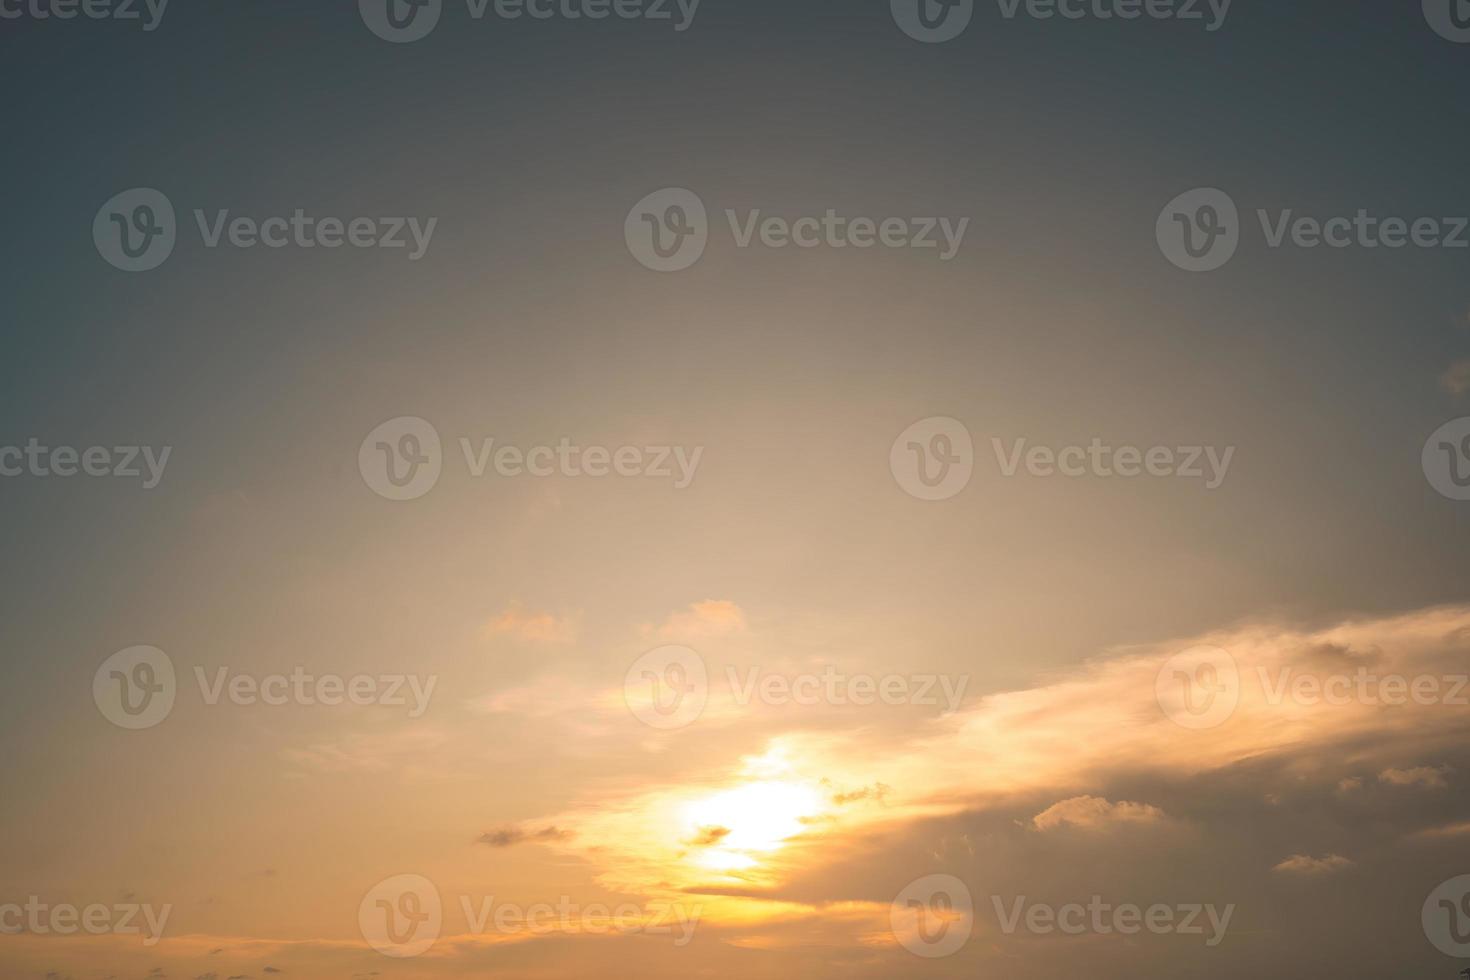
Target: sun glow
x=731, y=829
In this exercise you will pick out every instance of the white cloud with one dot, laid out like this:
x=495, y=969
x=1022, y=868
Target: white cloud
x=1094, y=812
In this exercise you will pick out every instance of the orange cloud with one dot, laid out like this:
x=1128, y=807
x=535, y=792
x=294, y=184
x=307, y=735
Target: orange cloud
x=1449, y=830
x=712, y=617
x=1060, y=737
x=534, y=627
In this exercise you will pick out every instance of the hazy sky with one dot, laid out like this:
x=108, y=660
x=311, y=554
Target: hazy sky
x=643, y=690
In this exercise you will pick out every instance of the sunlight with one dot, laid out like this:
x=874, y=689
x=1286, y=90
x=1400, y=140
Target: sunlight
x=733, y=827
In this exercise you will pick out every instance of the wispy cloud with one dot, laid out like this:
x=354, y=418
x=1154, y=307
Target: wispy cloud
x=1430, y=778
x=534, y=626
x=1456, y=379
x=510, y=836
x=1068, y=736
x=409, y=751
x=1302, y=864
x=712, y=617
x=1447, y=831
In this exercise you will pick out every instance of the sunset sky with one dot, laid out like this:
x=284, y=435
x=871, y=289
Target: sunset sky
x=722, y=718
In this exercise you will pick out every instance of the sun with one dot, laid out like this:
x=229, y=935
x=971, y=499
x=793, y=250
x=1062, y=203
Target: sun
x=732, y=829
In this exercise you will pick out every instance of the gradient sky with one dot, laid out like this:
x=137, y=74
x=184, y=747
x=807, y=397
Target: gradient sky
x=1057, y=600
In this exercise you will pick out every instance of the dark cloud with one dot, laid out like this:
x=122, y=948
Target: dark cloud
x=707, y=836
x=511, y=836
x=876, y=793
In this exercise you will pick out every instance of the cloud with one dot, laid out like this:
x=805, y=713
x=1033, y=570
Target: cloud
x=511, y=836
x=1456, y=380
x=1421, y=776
x=1301, y=864
x=1449, y=830
x=708, y=836
x=1091, y=812
x=1350, y=785
x=534, y=627
x=1059, y=739
x=876, y=793
x=712, y=617
x=407, y=751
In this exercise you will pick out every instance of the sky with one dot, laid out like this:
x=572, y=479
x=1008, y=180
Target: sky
x=749, y=488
